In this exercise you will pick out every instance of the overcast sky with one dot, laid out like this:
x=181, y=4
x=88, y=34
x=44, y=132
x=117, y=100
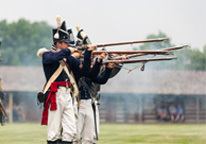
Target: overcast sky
x=184, y=21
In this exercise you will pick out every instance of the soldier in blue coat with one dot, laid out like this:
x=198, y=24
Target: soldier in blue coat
x=86, y=121
x=58, y=112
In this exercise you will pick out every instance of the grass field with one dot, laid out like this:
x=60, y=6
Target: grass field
x=33, y=133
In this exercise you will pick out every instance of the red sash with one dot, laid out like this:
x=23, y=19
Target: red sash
x=51, y=99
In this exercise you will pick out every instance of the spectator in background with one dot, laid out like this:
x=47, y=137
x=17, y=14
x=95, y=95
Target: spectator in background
x=180, y=116
x=159, y=112
x=165, y=115
x=173, y=112
x=15, y=113
x=162, y=113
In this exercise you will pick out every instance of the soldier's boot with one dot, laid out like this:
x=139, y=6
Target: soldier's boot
x=55, y=142
x=52, y=142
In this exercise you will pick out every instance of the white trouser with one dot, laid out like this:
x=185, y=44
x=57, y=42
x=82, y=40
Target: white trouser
x=61, y=122
x=85, y=123
x=97, y=122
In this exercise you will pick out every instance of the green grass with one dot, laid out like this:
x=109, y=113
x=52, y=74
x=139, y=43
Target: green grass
x=153, y=134
x=33, y=133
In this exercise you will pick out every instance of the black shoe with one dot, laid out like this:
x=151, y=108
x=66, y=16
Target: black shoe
x=65, y=142
x=52, y=142
x=59, y=141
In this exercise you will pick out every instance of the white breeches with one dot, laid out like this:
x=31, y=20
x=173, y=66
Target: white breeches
x=85, y=123
x=61, y=122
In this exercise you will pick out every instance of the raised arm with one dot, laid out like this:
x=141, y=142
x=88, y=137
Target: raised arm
x=102, y=79
x=94, y=71
x=50, y=57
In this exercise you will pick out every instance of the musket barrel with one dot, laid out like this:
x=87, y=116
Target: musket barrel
x=131, y=52
x=132, y=42
x=138, y=60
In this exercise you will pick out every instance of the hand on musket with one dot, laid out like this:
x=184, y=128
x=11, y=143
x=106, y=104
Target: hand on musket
x=91, y=47
x=124, y=57
x=113, y=56
x=73, y=50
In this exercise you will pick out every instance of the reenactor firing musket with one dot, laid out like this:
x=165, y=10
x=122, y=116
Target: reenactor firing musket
x=95, y=87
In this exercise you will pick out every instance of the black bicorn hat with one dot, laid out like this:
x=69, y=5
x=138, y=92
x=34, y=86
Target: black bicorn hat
x=84, y=40
x=61, y=34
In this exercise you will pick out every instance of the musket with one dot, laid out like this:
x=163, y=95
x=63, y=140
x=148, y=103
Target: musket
x=4, y=115
x=2, y=110
x=138, y=60
x=132, y=42
x=163, y=50
x=83, y=47
x=131, y=52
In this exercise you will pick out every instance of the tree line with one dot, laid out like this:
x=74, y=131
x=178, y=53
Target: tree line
x=22, y=39
x=187, y=58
